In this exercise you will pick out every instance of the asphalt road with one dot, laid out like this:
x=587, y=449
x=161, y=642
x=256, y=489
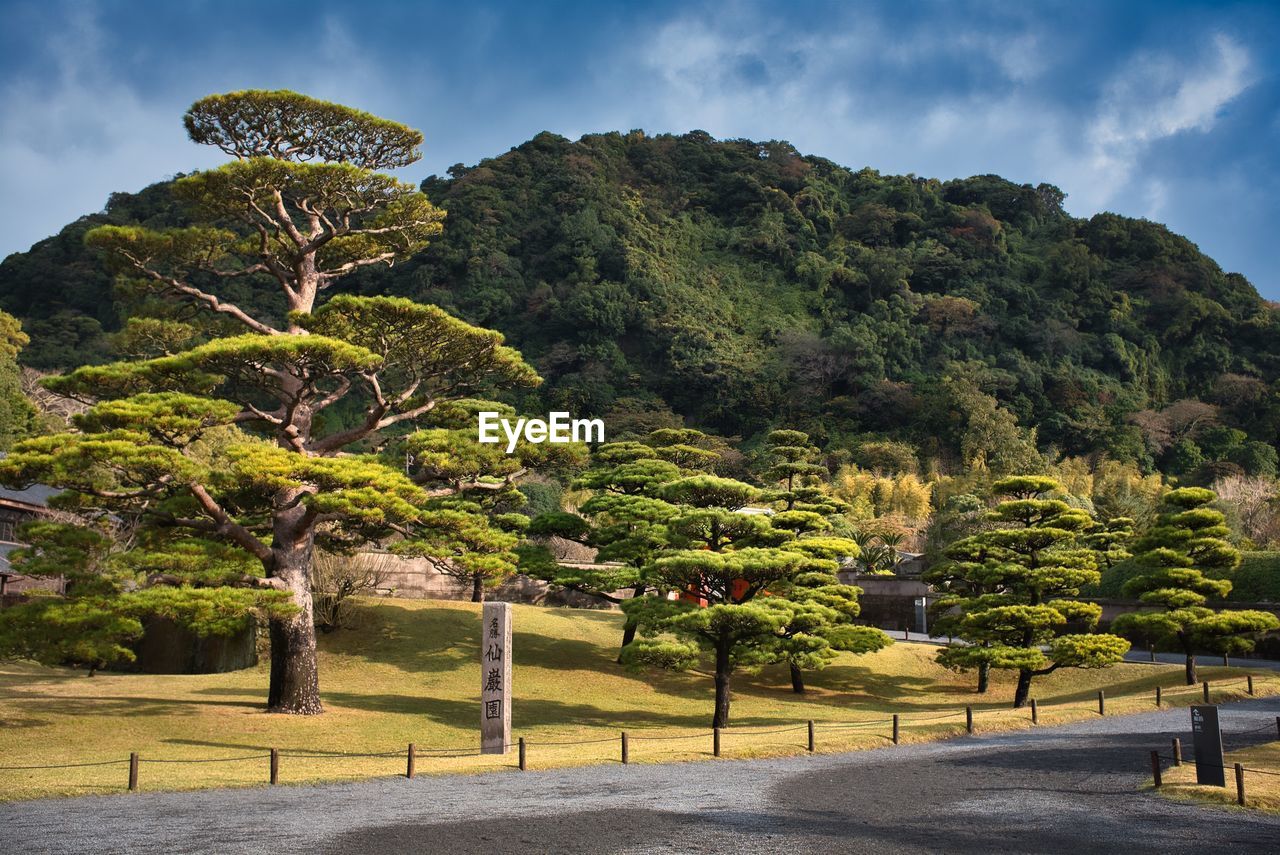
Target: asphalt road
x=1066, y=789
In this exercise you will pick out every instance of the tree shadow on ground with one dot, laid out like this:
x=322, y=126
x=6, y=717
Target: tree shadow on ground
x=135, y=706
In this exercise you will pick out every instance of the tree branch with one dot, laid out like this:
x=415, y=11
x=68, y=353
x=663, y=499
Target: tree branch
x=229, y=528
x=210, y=300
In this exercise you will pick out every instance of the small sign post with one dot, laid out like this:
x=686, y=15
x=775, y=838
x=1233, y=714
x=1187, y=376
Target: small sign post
x=495, y=679
x=922, y=616
x=1207, y=736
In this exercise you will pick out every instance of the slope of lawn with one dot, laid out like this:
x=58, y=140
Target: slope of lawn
x=408, y=671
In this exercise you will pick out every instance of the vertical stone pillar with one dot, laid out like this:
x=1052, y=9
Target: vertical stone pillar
x=495, y=679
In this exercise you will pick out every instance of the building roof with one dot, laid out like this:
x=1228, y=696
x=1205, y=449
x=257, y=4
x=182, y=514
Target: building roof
x=37, y=495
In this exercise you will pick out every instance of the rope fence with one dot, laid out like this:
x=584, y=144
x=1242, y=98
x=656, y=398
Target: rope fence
x=892, y=724
x=1239, y=769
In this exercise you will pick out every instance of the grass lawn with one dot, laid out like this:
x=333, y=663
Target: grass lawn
x=407, y=671
x=1261, y=787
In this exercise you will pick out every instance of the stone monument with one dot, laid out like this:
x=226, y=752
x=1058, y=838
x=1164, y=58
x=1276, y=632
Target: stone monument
x=495, y=679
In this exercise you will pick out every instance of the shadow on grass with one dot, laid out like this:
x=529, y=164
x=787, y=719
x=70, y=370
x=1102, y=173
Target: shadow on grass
x=134, y=706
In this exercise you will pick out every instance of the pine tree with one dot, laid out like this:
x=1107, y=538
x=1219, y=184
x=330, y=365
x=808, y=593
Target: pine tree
x=1014, y=588
x=791, y=467
x=266, y=439
x=1186, y=544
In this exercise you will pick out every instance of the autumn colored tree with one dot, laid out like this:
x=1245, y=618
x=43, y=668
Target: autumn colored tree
x=267, y=439
x=1186, y=545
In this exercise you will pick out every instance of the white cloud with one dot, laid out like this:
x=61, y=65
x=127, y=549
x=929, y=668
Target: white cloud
x=825, y=92
x=71, y=138
x=1154, y=98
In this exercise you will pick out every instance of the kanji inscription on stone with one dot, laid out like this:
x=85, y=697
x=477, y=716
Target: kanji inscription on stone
x=495, y=678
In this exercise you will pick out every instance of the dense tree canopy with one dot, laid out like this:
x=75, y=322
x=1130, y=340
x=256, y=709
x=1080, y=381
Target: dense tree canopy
x=744, y=284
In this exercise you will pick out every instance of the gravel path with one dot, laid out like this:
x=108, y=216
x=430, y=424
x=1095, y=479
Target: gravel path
x=1065, y=789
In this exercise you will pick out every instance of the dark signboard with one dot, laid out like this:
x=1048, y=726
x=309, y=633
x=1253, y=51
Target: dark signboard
x=1210, y=765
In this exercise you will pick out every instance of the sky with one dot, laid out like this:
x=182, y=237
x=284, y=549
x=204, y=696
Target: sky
x=1169, y=110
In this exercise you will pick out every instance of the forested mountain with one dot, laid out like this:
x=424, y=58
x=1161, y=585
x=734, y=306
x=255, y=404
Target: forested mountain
x=743, y=285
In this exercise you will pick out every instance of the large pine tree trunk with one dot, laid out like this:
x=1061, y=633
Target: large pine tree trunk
x=797, y=680
x=477, y=588
x=724, y=674
x=629, y=629
x=1191, y=662
x=984, y=677
x=295, y=685
x=1023, y=692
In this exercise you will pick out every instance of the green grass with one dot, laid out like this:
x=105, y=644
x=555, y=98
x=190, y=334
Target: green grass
x=407, y=672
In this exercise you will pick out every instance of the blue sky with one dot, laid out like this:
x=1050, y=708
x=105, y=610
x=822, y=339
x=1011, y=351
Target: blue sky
x=1163, y=110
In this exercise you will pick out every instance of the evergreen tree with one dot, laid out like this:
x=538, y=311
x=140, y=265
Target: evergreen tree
x=1014, y=586
x=718, y=614
x=18, y=418
x=823, y=611
x=267, y=439
x=624, y=521
x=1187, y=543
x=792, y=468
x=113, y=576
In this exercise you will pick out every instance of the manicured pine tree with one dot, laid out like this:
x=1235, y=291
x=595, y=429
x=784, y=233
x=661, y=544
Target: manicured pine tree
x=822, y=614
x=791, y=466
x=469, y=533
x=240, y=439
x=1187, y=543
x=113, y=576
x=1013, y=587
x=734, y=627
x=624, y=521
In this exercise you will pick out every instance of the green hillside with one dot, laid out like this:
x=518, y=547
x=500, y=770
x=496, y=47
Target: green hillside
x=741, y=284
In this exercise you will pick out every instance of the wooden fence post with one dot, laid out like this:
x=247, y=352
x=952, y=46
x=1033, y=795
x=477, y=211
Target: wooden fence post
x=275, y=764
x=1035, y=713
x=1177, y=751
x=811, y=739
x=715, y=741
x=1249, y=680
x=626, y=753
x=408, y=769
x=522, y=756
x=133, y=770
x=968, y=719
x=1239, y=785
x=895, y=728
x=1157, y=696
x=1155, y=768
x=1206, y=691
x=1102, y=702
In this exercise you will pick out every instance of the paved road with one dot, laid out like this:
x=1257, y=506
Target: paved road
x=1067, y=789
x=1132, y=656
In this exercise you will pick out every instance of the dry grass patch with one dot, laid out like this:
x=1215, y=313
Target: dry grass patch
x=1261, y=780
